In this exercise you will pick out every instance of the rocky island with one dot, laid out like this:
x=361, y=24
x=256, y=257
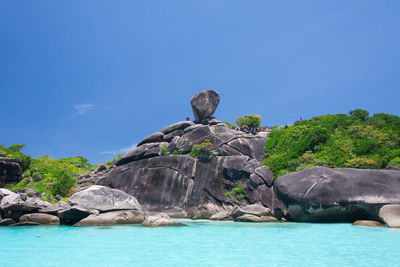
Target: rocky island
x=206, y=170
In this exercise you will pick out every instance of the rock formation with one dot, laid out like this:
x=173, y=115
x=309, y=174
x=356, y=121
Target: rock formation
x=164, y=174
x=204, y=104
x=334, y=195
x=10, y=171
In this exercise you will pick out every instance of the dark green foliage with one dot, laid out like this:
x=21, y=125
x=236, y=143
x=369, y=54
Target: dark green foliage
x=359, y=114
x=356, y=141
x=237, y=192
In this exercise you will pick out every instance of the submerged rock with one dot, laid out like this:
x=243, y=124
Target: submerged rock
x=367, y=223
x=335, y=195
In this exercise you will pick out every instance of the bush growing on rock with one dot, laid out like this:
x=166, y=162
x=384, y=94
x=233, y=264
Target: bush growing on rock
x=248, y=121
x=202, y=149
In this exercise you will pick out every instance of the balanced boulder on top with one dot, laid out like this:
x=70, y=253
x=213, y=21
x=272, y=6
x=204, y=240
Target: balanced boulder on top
x=204, y=104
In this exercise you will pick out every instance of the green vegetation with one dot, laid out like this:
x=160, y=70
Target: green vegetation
x=237, y=192
x=355, y=140
x=248, y=121
x=203, y=149
x=111, y=162
x=47, y=175
x=164, y=150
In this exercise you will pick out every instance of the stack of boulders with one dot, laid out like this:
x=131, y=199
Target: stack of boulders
x=10, y=171
x=165, y=177
x=94, y=206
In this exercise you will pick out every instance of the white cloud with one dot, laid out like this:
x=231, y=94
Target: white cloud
x=121, y=150
x=83, y=108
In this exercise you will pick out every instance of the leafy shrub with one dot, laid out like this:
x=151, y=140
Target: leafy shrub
x=203, y=149
x=248, y=121
x=237, y=192
x=164, y=150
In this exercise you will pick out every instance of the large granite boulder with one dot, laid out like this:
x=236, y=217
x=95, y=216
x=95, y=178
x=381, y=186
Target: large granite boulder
x=113, y=218
x=204, y=104
x=10, y=171
x=104, y=199
x=334, y=195
x=390, y=214
x=40, y=218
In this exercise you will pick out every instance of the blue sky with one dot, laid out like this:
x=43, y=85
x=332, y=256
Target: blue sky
x=94, y=77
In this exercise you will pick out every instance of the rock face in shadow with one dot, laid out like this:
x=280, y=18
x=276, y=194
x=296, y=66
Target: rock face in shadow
x=10, y=171
x=165, y=178
x=321, y=194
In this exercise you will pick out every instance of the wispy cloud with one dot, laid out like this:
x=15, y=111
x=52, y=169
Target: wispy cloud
x=83, y=108
x=121, y=150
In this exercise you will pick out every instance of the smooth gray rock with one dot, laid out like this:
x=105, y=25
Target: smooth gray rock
x=204, y=104
x=40, y=218
x=137, y=153
x=390, y=214
x=170, y=136
x=234, y=167
x=153, y=138
x=337, y=195
x=254, y=209
x=176, y=126
x=160, y=220
x=224, y=215
x=266, y=174
x=113, y=218
x=104, y=199
x=254, y=218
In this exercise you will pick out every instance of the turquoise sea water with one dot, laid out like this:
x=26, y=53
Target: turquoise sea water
x=201, y=243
